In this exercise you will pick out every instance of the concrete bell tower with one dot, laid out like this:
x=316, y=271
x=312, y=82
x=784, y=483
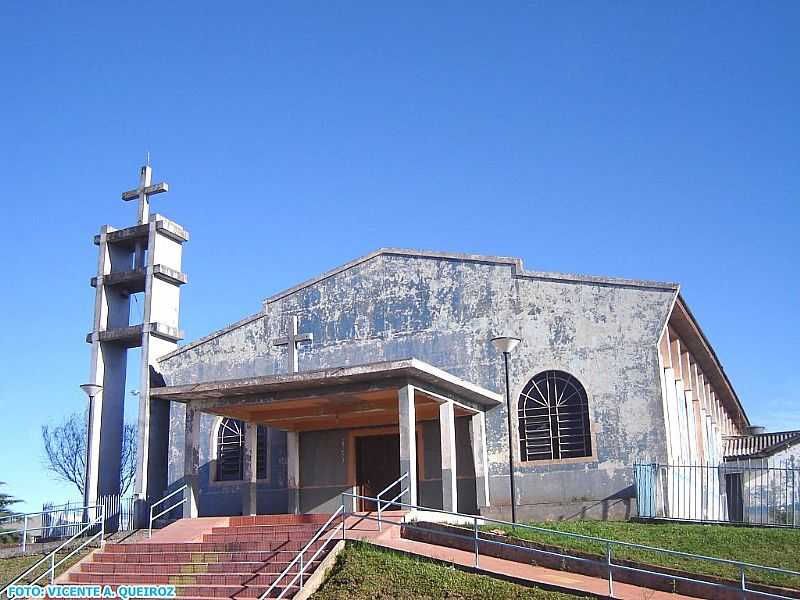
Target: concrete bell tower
x=144, y=258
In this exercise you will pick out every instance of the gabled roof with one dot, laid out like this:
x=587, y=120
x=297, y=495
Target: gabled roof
x=515, y=264
x=760, y=445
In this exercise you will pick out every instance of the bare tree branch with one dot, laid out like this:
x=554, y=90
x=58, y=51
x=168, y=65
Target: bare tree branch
x=128, y=463
x=65, y=451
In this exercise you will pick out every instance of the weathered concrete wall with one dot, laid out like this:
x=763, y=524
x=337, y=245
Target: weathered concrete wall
x=445, y=311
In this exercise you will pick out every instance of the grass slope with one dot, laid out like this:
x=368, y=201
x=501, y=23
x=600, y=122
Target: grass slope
x=771, y=547
x=11, y=567
x=366, y=572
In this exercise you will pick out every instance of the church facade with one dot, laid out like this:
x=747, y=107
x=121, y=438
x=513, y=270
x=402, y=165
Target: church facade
x=384, y=367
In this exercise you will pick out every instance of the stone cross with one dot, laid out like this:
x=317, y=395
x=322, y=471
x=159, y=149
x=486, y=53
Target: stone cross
x=292, y=339
x=143, y=193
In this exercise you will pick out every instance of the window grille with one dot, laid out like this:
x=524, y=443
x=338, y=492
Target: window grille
x=553, y=414
x=230, y=445
x=230, y=450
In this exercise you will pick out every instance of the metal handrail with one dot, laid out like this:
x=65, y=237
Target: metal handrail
x=165, y=511
x=609, y=544
x=46, y=512
x=386, y=489
x=300, y=554
x=52, y=556
x=25, y=516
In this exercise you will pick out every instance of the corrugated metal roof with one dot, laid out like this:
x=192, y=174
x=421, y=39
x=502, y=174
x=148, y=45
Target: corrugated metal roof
x=759, y=445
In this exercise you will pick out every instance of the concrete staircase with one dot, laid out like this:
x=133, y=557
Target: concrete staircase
x=237, y=560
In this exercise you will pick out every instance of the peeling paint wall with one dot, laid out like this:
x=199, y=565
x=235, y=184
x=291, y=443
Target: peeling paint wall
x=444, y=311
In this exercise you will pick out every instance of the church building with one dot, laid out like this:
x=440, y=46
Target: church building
x=384, y=369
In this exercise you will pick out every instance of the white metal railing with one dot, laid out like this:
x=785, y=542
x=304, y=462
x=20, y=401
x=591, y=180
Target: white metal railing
x=397, y=497
x=303, y=566
x=610, y=566
x=166, y=510
x=68, y=526
x=51, y=558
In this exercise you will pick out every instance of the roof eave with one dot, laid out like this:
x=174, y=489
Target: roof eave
x=682, y=304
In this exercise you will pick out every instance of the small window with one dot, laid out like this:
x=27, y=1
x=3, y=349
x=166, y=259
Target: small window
x=230, y=451
x=262, y=457
x=553, y=416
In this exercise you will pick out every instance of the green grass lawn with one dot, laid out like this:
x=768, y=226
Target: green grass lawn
x=770, y=547
x=365, y=572
x=11, y=567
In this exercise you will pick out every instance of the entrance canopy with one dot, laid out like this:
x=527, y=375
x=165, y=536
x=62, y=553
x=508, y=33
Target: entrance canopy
x=341, y=397
x=398, y=393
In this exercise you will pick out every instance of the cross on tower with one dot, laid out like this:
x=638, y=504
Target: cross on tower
x=144, y=191
x=292, y=339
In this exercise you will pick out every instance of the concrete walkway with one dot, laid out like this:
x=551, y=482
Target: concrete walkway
x=185, y=530
x=366, y=530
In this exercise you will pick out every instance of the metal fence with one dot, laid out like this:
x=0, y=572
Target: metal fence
x=752, y=493
x=61, y=521
x=120, y=511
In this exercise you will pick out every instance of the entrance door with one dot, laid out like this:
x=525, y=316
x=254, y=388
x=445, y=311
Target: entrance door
x=377, y=465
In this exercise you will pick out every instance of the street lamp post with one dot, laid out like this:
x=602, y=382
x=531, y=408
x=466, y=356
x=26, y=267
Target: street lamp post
x=506, y=345
x=91, y=390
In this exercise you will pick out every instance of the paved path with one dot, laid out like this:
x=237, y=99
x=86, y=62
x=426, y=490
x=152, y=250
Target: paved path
x=185, y=530
x=359, y=528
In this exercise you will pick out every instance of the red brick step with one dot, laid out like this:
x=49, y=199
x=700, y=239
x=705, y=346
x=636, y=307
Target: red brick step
x=238, y=561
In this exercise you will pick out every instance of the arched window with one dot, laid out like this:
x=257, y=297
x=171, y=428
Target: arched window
x=230, y=450
x=554, y=418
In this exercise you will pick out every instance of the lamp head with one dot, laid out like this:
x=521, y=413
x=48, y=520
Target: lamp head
x=506, y=344
x=91, y=389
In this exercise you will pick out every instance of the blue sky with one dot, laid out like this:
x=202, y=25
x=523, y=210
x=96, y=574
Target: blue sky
x=642, y=140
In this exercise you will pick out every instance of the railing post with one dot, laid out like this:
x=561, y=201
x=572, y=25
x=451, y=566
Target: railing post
x=794, y=501
x=477, y=544
x=610, y=574
x=344, y=534
x=102, y=525
x=24, y=533
x=301, y=570
x=380, y=523
x=743, y=582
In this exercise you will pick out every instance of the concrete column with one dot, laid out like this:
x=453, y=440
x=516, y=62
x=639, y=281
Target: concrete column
x=93, y=450
x=293, y=468
x=477, y=426
x=408, y=441
x=250, y=474
x=191, y=461
x=161, y=304
x=447, y=437
x=107, y=368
